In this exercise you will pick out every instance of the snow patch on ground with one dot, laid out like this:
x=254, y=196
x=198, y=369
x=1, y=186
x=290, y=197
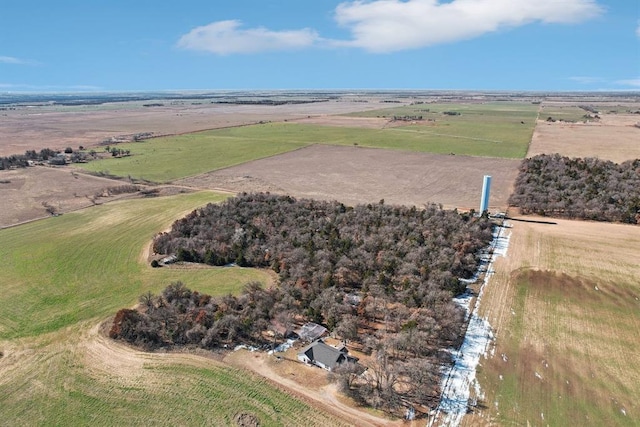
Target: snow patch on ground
x=457, y=383
x=282, y=347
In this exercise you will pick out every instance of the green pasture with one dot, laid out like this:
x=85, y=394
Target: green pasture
x=482, y=130
x=61, y=277
x=170, y=158
x=500, y=111
x=566, y=113
x=59, y=271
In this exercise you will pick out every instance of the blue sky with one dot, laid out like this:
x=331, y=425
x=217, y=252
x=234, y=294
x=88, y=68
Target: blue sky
x=113, y=45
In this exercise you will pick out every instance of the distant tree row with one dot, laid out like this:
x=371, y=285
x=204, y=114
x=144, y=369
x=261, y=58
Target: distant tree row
x=44, y=155
x=22, y=160
x=589, y=188
x=407, y=118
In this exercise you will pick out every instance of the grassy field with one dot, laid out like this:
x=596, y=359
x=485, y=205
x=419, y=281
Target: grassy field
x=482, y=131
x=62, y=276
x=166, y=159
x=76, y=377
x=567, y=113
x=508, y=124
x=565, y=306
x=87, y=264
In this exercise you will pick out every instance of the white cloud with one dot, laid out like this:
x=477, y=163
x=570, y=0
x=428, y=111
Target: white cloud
x=11, y=60
x=382, y=26
x=629, y=82
x=393, y=25
x=226, y=37
x=49, y=88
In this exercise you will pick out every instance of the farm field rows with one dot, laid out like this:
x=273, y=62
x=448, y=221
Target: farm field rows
x=564, y=305
x=78, y=377
x=169, y=158
x=27, y=128
x=355, y=175
x=493, y=132
x=63, y=270
x=62, y=277
x=614, y=137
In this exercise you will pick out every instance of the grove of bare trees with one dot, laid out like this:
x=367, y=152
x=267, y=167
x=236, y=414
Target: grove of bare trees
x=589, y=188
x=380, y=277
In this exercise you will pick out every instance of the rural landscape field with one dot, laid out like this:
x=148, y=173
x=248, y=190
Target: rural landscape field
x=76, y=243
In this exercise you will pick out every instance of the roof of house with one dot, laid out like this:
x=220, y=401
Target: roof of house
x=325, y=354
x=311, y=331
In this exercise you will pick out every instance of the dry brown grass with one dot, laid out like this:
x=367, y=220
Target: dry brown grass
x=614, y=138
x=26, y=192
x=565, y=306
x=62, y=188
x=59, y=127
x=355, y=175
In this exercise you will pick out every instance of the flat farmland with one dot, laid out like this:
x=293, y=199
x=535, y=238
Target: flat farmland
x=169, y=158
x=90, y=263
x=26, y=192
x=62, y=277
x=508, y=125
x=363, y=175
x=77, y=376
x=173, y=157
x=57, y=127
x=614, y=137
x=564, y=305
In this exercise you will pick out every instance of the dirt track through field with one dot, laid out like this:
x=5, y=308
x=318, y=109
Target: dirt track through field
x=106, y=357
x=323, y=398
x=355, y=175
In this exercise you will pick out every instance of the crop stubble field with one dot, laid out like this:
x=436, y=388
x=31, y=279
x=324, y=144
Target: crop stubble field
x=614, y=137
x=564, y=302
x=355, y=175
x=171, y=158
x=564, y=305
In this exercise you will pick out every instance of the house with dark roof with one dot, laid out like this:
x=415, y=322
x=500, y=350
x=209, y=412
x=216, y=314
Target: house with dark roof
x=325, y=356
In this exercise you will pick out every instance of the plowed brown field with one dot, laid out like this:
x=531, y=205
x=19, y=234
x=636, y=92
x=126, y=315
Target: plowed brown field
x=615, y=137
x=361, y=175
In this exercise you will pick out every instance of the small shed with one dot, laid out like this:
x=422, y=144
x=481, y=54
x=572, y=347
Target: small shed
x=311, y=332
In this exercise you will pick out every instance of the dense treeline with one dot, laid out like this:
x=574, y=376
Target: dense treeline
x=182, y=317
x=406, y=254
x=22, y=160
x=588, y=188
x=381, y=277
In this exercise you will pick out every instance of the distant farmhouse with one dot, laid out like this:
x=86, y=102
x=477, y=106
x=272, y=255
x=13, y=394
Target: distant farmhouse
x=325, y=356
